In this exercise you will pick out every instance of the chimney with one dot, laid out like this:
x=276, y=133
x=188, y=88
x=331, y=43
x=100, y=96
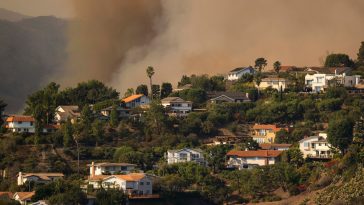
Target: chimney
x=247, y=95
x=92, y=169
x=20, y=179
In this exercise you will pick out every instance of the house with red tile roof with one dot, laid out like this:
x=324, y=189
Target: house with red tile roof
x=20, y=123
x=137, y=100
x=39, y=178
x=252, y=158
x=131, y=184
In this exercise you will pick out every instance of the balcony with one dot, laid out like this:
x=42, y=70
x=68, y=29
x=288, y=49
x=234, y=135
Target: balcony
x=320, y=156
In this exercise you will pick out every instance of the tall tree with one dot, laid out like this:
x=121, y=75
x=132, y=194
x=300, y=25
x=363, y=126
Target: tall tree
x=156, y=91
x=2, y=109
x=184, y=81
x=114, y=119
x=166, y=90
x=150, y=73
x=67, y=130
x=98, y=131
x=340, y=133
x=338, y=60
x=42, y=104
x=129, y=92
x=142, y=89
x=360, y=60
x=260, y=64
x=277, y=66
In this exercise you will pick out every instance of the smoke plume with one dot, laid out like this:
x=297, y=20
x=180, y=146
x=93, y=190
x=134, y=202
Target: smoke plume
x=116, y=40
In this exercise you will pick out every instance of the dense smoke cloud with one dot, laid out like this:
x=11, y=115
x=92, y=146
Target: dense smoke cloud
x=103, y=32
x=118, y=39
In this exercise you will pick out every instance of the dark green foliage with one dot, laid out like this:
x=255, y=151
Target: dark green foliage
x=260, y=63
x=42, y=104
x=166, y=90
x=156, y=91
x=340, y=133
x=330, y=104
x=282, y=136
x=336, y=92
x=114, y=118
x=67, y=130
x=142, y=89
x=295, y=157
x=110, y=196
x=215, y=156
x=61, y=192
x=338, y=60
x=197, y=96
x=184, y=81
x=89, y=92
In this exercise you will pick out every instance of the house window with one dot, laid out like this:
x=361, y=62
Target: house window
x=31, y=123
x=319, y=144
x=141, y=183
x=320, y=79
x=306, y=144
x=148, y=183
x=20, y=122
x=312, y=145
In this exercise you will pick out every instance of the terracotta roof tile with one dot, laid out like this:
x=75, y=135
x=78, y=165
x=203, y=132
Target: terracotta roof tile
x=25, y=195
x=131, y=98
x=20, y=118
x=255, y=153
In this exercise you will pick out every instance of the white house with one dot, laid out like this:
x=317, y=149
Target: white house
x=64, y=112
x=320, y=81
x=273, y=82
x=185, y=155
x=134, y=101
x=316, y=147
x=24, y=198
x=20, y=123
x=239, y=72
x=110, y=168
x=177, y=106
x=249, y=159
x=39, y=178
x=131, y=184
x=219, y=97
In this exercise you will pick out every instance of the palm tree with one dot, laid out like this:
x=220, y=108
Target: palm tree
x=277, y=66
x=260, y=63
x=150, y=73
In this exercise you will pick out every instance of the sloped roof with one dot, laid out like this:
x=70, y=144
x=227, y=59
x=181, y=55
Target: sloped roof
x=20, y=118
x=268, y=146
x=69, y=111
x=132, y=98
x=173, y=99
x=329, y=70
x=43, y=176
x=24, y=195
x=267, y=127
x=235, y=70
x=232, y=95
x=274, y=79
x=186, y=149
x=110, y=164
x=255, y=153
x=131, y=176
x=99, y=177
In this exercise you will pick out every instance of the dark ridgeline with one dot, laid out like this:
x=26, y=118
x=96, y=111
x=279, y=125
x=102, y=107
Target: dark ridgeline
x=32, y=50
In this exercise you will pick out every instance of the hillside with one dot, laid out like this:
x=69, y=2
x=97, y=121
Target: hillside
x=31, y=50
x=11, y=15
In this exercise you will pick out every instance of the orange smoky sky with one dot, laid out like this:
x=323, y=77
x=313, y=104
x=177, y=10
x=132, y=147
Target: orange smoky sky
x=114, y=41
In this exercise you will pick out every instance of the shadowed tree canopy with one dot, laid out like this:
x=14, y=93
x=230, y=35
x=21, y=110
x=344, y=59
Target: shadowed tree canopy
x=166, y=90
x=340, y=133
x=89, y=92
x=142, y=89
x=338, y=60
x=260, y=63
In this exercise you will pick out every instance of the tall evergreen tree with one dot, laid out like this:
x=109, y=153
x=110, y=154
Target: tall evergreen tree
x=166, y=90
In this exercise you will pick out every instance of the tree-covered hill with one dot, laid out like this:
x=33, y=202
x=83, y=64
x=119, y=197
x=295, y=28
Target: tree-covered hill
x=31, y=51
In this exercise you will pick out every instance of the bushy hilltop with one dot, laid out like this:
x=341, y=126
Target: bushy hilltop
x=148, y=133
